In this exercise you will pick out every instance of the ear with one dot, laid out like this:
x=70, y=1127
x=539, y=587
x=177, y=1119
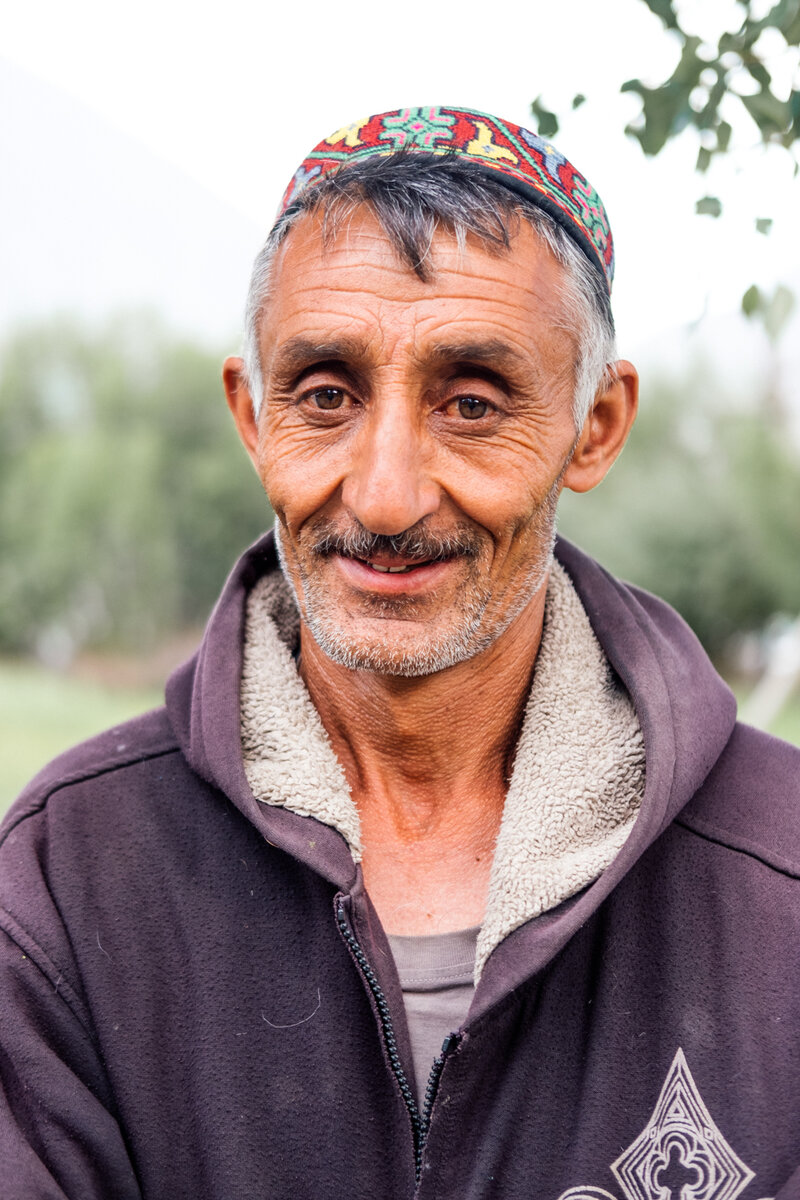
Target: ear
x=605, y=430
x=240, y=402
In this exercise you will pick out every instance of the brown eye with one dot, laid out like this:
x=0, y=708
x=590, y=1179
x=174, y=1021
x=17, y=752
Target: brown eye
x=472, y=409
x=328, y=398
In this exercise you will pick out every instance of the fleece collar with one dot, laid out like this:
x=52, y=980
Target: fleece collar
x=578, y=775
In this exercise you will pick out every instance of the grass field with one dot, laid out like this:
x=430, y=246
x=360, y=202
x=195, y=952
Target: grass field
x=787, y=723
x=43, y=713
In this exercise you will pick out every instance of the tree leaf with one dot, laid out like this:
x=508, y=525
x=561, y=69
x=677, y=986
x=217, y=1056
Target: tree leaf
x=665, y=10
x=751, y=301
x=791, y=30
x=709, y=206
x=770, y=114
x=730, y=43
x=578, y=100
x=760, y=73
x=690, y=66
x=785, y=15
x=778, y=311
x=665, y=112
x=707, y=117
x=794, y=107
x=763, y=224
x=704, y=157
x=547, y=121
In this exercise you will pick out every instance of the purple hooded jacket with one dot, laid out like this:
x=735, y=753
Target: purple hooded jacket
x=197, y=999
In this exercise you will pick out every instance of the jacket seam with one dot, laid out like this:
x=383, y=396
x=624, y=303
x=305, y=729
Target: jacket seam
x=470, y=1027
x=763, y=857
x=45, y=966
x=105, y=767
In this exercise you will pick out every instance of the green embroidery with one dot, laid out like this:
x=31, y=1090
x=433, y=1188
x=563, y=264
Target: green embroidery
x=417, y=127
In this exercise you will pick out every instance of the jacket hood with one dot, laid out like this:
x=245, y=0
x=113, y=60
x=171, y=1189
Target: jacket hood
x=202, y=699
x=684, y=710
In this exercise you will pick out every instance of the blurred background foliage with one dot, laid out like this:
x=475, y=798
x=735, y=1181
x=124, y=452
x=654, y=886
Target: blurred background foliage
x=703, y=508
x=125, y=495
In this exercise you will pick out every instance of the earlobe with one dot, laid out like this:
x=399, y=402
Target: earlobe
x=605, y=430
x=240, y=402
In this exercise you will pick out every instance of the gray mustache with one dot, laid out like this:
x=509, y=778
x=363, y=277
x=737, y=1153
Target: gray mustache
x=424, y=545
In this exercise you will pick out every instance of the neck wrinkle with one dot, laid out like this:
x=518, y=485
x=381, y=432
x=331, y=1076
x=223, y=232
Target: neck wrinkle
x=457, y=728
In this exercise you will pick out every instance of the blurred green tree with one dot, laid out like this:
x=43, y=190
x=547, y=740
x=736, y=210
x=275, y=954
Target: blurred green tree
x=124, y=493
x=703, y=509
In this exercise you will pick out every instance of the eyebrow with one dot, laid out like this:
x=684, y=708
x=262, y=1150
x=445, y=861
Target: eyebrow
x=493, y=357
x=300, y=352
x=491, y=352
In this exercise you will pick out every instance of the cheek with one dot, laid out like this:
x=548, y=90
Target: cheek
x=505, y=514
x=299, y=475
x=503, y=492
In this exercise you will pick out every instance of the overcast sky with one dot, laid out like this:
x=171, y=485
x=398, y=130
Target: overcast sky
x=149, y=144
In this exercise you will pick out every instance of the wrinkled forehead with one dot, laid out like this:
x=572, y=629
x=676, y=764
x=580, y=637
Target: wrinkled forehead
x=351, y=296
x=325, y=241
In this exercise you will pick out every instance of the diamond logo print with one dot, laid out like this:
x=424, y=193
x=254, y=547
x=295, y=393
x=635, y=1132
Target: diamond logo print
x=681, y=1154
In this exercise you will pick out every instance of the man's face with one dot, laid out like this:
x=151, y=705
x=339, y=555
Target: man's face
x=412, y=439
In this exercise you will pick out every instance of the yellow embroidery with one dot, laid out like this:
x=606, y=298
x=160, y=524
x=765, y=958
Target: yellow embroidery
x=484, y=145
x=348, y=134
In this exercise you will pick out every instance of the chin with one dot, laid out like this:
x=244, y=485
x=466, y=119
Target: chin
x=402, y=656
x=405, y=654
x=406, y=637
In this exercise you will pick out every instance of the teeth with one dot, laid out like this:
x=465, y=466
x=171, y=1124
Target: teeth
x=389, y=570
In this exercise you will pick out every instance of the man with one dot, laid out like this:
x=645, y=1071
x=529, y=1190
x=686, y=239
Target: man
x=446, y=871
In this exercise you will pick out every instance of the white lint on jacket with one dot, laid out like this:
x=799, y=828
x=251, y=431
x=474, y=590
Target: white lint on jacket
x=578, y=775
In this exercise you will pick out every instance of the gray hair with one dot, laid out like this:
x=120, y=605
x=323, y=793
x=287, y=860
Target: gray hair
x=414, y=195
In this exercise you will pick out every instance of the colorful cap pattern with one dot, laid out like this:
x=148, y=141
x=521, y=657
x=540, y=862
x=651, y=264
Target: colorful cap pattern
x=525, y=163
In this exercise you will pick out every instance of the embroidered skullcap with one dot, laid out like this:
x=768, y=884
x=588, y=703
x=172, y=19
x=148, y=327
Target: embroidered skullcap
x=518, y=159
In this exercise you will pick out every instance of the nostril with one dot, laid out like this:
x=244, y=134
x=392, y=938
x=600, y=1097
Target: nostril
x=388, y=503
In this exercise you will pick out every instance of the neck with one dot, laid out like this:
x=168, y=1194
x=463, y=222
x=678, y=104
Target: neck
x=428, y=761
x=454, y=724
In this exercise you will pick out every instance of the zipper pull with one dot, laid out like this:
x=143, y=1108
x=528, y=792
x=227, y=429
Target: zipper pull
x=452, y=1039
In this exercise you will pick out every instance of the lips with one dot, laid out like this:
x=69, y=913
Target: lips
x=391, y=576
x=402, y=569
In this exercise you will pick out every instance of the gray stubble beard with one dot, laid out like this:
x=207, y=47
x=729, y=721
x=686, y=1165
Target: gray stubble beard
x=457, y=645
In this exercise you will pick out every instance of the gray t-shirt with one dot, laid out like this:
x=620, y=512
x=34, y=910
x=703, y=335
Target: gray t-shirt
x=436, y=975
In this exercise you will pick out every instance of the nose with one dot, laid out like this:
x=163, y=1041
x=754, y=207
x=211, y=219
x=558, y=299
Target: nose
x=388, y=487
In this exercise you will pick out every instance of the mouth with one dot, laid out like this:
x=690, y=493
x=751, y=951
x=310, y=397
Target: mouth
x=395, y=568
x=393, y=575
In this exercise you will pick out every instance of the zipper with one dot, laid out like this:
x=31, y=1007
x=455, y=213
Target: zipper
x=420, y=1122
x=432, y=1086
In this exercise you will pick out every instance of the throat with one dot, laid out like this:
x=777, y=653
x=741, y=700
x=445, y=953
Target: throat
x=427, y=868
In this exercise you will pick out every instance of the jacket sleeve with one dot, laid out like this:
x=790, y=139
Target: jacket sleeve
x=58, y=1134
